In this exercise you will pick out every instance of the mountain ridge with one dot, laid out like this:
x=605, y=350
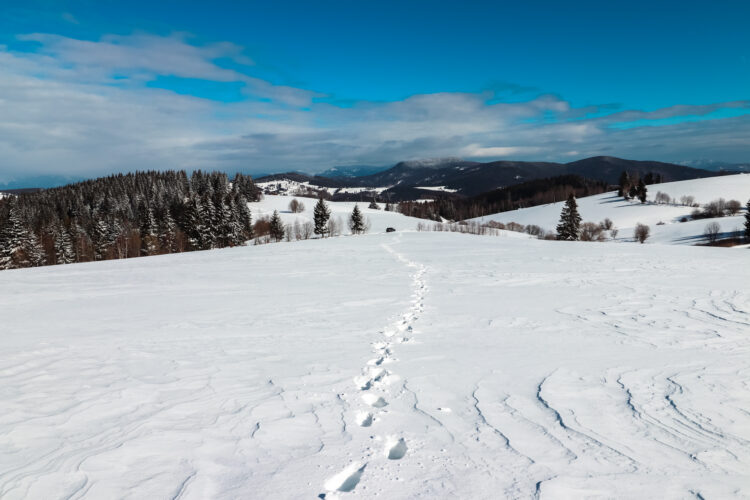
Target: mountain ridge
x=469, y=178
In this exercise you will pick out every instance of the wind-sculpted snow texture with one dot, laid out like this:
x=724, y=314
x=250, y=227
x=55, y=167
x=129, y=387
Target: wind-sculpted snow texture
x=401, y=365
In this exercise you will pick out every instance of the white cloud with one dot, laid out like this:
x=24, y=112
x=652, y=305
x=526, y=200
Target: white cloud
x=477, y=151
x=155, y=55
x=63, y=112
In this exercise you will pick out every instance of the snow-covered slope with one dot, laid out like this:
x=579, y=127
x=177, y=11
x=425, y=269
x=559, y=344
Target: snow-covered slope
x=379, y=219
x=626, y=214
x=402, y=365
x=292, y=188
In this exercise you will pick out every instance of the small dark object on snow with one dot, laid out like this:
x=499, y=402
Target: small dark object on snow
x=390, y=230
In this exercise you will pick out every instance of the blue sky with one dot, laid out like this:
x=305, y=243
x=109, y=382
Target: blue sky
x=99, y=86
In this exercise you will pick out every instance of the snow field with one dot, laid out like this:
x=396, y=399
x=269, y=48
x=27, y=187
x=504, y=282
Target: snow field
x=399, y=365
x=379, y=219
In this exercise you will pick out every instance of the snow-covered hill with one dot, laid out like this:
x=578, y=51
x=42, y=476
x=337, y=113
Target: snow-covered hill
x=401, y=365
x=292, y=187
x=379, y=219
x=626, y=214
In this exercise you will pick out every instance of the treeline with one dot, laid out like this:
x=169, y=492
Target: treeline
x=524, y=195
x=125, y=215
x=631, y=186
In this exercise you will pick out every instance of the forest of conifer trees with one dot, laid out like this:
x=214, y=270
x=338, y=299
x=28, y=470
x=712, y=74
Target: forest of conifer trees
x=125, y=215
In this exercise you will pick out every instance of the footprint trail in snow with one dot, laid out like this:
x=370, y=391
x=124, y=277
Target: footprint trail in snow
x=376, y=390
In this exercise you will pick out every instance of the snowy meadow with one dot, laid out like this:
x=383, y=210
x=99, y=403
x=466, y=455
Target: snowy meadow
x=394, y=365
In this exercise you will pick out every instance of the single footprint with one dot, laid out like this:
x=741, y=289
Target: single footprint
x=364, y=419
x=347, y=479
x=374, y=401
x=395, y=449
x=365, y=386
x=376, y=361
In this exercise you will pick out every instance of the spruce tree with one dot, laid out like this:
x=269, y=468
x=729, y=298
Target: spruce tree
x=624, y=184
x=167, y=232
x=148, y=229
x=19, y=247
x=276, y=228
x=570, y=221
x=356, y=221
x=747, y=221
x=642, y=191
x=245, y=217
x=321, y=214
x=64, y=253
x=193, y=224
x=207, y=212
x=373, y=205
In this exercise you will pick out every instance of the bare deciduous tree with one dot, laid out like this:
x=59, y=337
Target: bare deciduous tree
x=711, y=232
x=688, y=201
x=296, y=206
x=662, y=198
x=642, y=232
x=715, y=208
x=591, y=232
x=334, y=226
x=535, y=230
x=307, y=230
x=733, y=207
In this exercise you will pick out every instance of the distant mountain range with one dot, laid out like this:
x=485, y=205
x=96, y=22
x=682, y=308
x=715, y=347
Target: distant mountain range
x=469, y=178
x=461, y=177
x=351, y=171
x=718, y=166
x=38, y=182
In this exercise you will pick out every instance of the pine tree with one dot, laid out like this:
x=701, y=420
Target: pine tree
x=19, y=247
x=224, y=223
x=167, y=231
x=641, y=191
x=207, y=212
x=148, y=229
x=244, y=216
x=570, y=221
x=356, y=221
x=321, y=214
x=34, y=250
x=747, y=221
x=244, y=185
x=624, y=184
x=237, y=229
x=64, y=253
x=193, y=224
x=276, y=229
x=373, y=205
